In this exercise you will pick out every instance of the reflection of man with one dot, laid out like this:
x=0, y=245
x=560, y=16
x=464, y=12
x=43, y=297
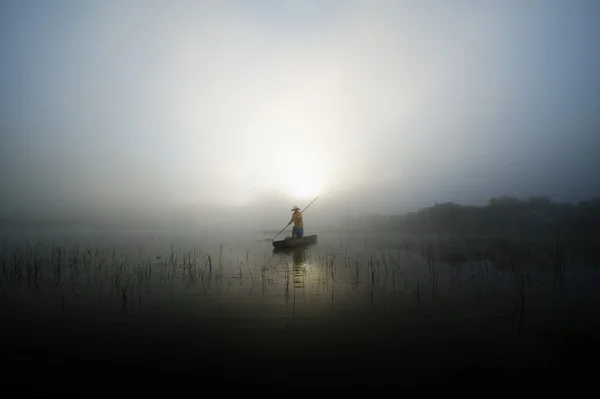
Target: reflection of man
x=299, y=257
x=298, y=229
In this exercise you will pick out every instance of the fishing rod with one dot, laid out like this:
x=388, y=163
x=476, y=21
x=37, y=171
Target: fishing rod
x=291, y=222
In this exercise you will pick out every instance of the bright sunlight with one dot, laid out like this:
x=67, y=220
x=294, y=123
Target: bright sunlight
x=303, y=186
x=304, y=182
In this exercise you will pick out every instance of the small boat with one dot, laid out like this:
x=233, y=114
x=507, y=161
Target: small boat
x=295, y=242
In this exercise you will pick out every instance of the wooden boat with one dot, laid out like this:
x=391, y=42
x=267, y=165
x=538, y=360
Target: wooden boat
x=295, y=242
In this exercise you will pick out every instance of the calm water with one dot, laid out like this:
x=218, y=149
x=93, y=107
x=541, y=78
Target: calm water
x=349, y=304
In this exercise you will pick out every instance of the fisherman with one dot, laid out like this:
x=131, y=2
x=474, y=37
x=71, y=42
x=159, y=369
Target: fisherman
x=298, y=229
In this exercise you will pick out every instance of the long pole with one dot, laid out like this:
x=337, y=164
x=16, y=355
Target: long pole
x=291, y=222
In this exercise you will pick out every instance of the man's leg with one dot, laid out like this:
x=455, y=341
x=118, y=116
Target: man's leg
x=300, y=232
x=294, y=232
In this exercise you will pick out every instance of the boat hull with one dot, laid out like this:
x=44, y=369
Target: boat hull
x=295, y=242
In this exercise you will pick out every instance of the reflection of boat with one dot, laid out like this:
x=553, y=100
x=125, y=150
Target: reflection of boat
x=298, y=254
x=295, y=242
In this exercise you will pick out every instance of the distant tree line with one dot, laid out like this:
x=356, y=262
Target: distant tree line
x=499, y=217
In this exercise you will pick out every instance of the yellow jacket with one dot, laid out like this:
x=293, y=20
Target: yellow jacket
x=297, y=219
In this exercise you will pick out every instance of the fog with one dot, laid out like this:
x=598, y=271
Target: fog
x=231, y=112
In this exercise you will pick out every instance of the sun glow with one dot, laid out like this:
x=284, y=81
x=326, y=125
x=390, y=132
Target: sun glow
x=303, y=186
x=303, y=183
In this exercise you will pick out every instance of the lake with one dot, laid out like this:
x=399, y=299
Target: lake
x=361, y=310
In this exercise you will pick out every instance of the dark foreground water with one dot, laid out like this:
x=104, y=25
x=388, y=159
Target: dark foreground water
x=217, y=312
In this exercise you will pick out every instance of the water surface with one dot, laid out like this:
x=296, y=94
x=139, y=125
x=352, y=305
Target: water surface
x=352, y=304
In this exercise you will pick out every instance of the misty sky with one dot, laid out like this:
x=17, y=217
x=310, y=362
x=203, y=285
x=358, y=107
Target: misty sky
x=375, y=105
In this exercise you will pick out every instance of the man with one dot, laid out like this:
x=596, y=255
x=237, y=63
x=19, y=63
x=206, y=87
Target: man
x=298, y=229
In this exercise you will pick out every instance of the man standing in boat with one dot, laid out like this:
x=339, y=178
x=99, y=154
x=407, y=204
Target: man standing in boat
x=298, y=229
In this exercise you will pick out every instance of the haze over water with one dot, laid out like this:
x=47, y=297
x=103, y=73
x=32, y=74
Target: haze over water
x=180, y=110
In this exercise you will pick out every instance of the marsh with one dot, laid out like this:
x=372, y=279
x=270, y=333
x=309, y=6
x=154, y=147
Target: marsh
x=351, y=305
